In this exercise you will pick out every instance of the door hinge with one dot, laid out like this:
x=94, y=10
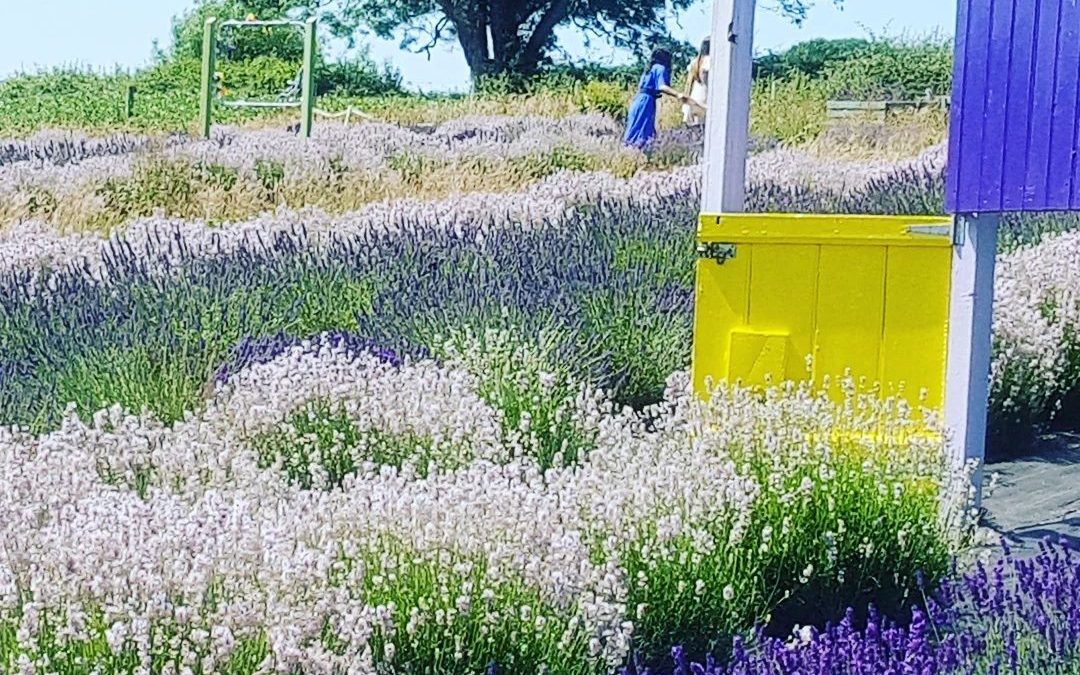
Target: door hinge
x=721, y=253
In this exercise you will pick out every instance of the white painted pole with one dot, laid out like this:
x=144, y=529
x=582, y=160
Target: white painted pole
x=727, y=122
x=967, y=387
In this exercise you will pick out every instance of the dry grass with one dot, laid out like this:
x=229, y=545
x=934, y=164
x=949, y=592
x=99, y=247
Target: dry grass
x=179, y=188
x=903, y=135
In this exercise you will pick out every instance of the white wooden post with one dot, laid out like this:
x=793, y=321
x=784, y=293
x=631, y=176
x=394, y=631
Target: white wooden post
x=727, y=122
x=967, y=386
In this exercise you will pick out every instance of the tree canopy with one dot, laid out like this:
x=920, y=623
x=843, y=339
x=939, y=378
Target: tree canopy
x=498, y=37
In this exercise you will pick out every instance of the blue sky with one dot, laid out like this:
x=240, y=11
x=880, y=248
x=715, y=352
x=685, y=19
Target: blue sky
x=107, y=33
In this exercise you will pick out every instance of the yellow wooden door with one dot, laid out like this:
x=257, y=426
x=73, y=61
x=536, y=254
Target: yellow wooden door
x=797, y=297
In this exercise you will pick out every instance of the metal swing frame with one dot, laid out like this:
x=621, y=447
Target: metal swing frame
x=208, y=94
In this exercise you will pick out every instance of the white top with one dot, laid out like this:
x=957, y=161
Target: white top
x=699, y=92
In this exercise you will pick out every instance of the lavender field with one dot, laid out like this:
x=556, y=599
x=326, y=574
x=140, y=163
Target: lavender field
x=416, y=401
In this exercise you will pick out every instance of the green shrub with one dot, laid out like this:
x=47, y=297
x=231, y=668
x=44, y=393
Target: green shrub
x=357, y=76
x=892, y=70
x=809, y=58
x=285, y=43
x=791, y=110
x=608, y=98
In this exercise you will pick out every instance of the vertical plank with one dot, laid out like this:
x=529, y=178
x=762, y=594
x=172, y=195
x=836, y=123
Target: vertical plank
x=996, y=106
x=916, y=322
x=783, y=299
x=957, y=116
x=1042, y=97
x=970, y=316
x=1021, y=82
x=1063, y=117
x=720, y=306
x=727, y=123
x=849, y=320
x=972, y=97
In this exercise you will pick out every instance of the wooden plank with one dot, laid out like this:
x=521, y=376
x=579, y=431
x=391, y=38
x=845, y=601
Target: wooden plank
x=861, y=106
x=1063, y=114
x=868, y=230
x=307, y=85
x=206, y=88
x=995, y=107
x=848, y=332
x=783, y=299
x=915, y=330
x=727, y=125
x=969, y=97
x=721, y=305
x=1042, y=96
x=1021, y=79
x=1015, y=121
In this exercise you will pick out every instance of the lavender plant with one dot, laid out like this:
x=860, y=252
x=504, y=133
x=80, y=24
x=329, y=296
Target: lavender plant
x=132, y=545
x=1018, y=616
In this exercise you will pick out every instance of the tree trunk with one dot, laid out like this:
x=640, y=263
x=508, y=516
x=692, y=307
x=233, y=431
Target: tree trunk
x=470, y=23
x=490, y=34
x=504, y=20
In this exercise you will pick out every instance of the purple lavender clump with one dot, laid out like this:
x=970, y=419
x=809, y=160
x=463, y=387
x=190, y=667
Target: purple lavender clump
x=254, y=350
x=1018, y=616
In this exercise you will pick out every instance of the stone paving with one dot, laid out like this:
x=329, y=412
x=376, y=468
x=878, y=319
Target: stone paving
x=1035, y=496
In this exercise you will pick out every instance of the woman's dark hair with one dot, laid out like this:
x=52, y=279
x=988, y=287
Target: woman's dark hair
x=661, y=57
x=705, y=46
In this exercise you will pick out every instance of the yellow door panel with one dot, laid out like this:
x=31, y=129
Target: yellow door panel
x=757, y=357
x=783, y=299
x=721, y=303
x=915, y=342
x=867, y=295
x=851, y=313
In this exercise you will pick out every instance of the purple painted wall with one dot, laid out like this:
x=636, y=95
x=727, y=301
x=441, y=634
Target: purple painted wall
x=1015, y=117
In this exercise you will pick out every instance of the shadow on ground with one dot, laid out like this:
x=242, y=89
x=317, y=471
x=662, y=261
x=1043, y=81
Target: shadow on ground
x=1036, y=496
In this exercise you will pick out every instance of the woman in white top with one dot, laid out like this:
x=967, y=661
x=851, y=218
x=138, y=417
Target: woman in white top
x=697, y=87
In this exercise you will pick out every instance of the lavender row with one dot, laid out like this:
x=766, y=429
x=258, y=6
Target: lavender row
x=1019, y=616
x=66, y=147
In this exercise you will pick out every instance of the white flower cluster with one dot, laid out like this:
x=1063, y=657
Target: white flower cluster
x=1037, y=325
x=179, y=547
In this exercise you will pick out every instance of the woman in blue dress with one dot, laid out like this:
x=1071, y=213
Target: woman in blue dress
x=655, y=82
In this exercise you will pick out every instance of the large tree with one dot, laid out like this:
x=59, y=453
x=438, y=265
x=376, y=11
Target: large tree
x=510, y=37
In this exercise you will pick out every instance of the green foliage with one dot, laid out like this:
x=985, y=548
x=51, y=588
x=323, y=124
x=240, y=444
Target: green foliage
x=809, y=58
x=527, y=382
x=198, y=325
x=322, y=434
x=608, y=98
x=791, y=110
x=356, y=75
x=523, y=34
x=242, y=44
x=892, y=70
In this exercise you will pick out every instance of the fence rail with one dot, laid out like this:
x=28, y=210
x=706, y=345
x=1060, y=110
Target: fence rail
x=880, y=110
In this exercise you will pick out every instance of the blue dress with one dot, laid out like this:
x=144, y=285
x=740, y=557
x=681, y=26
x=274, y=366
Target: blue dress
x=641, y=121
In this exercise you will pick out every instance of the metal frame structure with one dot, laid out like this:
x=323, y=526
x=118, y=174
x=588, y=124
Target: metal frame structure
x=208, y=91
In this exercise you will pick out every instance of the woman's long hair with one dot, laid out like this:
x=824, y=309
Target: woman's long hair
x=661, y=57
x=695, y=66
